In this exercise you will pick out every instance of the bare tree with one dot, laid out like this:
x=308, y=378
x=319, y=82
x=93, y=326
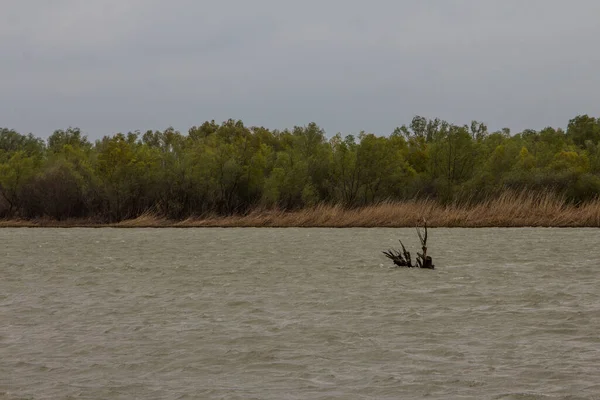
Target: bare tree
x=403, y=259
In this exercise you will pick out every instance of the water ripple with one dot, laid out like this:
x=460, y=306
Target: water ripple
x=298, y=313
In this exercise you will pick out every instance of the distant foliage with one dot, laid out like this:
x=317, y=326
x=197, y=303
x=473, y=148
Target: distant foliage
x=230, y=168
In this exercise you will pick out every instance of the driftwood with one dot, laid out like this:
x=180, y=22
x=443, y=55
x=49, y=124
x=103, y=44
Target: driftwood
x=403, y=258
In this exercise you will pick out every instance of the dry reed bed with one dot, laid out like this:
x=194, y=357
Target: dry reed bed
x=506, y=210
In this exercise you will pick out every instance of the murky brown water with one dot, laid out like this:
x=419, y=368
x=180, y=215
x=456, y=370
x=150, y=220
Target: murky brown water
x=298, y=314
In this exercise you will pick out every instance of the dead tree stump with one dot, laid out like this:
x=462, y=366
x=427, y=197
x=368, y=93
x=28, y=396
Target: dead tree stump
x=403, y=258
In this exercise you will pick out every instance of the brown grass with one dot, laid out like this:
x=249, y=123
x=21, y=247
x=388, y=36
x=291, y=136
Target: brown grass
x=507, y=210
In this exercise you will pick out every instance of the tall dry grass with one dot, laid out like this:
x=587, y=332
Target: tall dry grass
x=509, y=209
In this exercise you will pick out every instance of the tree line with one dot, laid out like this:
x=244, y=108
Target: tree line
x=231, y=168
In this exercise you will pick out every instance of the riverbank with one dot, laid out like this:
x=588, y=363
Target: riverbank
x=507, y=210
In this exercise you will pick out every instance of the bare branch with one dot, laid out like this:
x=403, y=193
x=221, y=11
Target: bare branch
x=404, y=259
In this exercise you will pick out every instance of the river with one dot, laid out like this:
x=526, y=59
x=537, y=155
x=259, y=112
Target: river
x=298, y=314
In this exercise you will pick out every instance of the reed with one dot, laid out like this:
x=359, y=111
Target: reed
x=509, y=209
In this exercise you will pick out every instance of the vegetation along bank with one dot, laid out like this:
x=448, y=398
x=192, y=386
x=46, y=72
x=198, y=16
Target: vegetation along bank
x=230, y=174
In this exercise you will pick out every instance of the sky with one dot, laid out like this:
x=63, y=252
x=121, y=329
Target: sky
x=110, y=66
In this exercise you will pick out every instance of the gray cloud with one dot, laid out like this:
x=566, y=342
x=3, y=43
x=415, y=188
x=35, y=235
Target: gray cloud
x=119, y=65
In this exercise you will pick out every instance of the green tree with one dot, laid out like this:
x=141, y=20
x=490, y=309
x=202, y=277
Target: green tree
x=583, y=128
x=11, y=142
x=452, y=159
x=72, y=137
x=17, y=172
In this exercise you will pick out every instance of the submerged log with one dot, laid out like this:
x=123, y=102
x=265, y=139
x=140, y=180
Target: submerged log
x=403, y=258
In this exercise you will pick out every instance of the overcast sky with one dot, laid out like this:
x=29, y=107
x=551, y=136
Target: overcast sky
x=111, y=66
